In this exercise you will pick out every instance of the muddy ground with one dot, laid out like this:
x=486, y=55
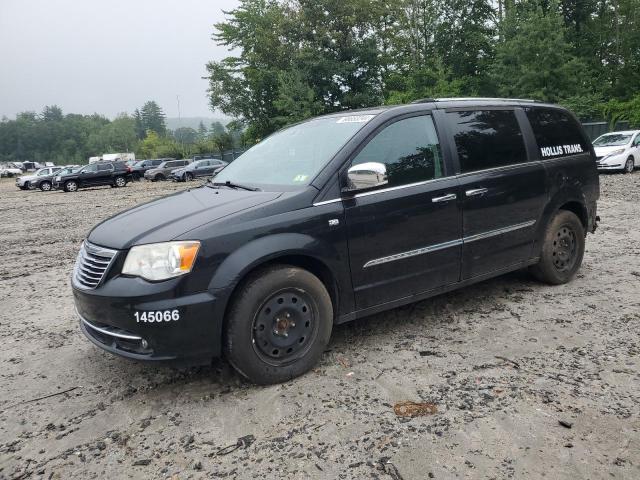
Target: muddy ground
x=503, y=361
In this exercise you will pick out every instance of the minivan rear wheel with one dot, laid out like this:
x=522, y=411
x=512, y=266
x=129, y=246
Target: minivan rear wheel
x=278, y=324
x=562, y=249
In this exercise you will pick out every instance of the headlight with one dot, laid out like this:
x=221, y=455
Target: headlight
x=613, y=154
x=160, y=261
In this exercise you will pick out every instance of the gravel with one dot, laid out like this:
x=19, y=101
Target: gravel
x=506, y=363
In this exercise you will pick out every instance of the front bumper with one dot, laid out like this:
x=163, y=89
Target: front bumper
x=602, y=167
x=108, y=319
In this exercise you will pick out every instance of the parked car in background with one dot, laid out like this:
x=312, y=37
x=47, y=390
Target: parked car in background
x=9, y=171
x=116, y=174
x=618, y=151
x=42, y=179
x=64, y=171
x=141, y=166
x=162, y=171
x=200, y=168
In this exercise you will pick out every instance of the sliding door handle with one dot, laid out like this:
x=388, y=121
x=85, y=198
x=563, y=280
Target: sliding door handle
x=446, y=198
x=478, y=192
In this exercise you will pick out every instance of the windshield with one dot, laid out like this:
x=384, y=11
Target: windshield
x=295, y=155
x=613, y=140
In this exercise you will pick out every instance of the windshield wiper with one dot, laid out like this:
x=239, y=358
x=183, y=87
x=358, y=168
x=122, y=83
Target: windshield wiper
x=230, y=184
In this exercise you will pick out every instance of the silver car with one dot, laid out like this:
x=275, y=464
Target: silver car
x=41, y=179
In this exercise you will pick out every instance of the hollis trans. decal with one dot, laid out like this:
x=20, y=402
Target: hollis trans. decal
x=561, y=150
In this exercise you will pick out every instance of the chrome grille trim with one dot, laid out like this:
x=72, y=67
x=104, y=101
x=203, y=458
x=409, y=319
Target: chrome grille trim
x=110, y=331
x=92, y=264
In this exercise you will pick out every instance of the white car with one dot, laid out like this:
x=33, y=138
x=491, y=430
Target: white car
x=618, y=151
x=9, y=172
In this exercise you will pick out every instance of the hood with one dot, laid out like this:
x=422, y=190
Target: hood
x=169, y=217
x=604, y=151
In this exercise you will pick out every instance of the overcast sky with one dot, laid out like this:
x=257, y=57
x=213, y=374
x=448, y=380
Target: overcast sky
x=107, y=56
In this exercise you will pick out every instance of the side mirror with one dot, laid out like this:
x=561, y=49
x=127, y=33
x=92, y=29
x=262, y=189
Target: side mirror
x=365, y=176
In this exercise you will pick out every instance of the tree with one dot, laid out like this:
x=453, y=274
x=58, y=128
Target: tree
x=185, y=135
x=222, y=142
x=153, y=118
x=535, y=59
x=202, y=131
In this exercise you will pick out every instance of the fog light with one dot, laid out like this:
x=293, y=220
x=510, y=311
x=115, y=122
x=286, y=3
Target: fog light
x=144, y=344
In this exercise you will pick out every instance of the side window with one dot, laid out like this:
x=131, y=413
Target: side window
x=636, y=142
x=171, y=165
x=556, y=132
x=91, y=168
x=409, y=149
x=105, y=168
x=487, y=139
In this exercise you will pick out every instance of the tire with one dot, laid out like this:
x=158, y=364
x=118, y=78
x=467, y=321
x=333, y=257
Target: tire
x=158, y=177
x=135, y=176
x=188, y=177
x=629, y=166
x=45, y=186
x=27, y=185
x=562, y=249
x=71, y=186
x=120, y=181
x=278, y=325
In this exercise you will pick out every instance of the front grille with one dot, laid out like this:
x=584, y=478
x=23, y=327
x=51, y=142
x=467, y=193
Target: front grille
x=91, y=265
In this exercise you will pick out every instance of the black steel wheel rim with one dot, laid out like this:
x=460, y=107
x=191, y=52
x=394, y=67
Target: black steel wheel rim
x=285, y=327
x=565, y=248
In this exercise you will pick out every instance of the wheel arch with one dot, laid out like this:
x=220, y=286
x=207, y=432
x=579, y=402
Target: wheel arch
x=299, y=250
x=573, y=201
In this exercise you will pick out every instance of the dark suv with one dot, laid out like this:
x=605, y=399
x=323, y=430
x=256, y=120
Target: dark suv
x=116, y=174
x=334, y=219
x=141, y=166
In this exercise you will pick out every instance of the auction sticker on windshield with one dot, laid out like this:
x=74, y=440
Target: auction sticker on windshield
x=355, y=119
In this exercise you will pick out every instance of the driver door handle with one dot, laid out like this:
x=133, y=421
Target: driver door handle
x=477, y=192
x=446, y=198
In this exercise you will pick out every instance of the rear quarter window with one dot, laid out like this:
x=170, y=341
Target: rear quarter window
x=557, y=133
x=487, y=139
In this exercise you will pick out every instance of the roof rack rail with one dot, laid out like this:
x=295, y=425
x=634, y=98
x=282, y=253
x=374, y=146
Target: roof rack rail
x=471, y=99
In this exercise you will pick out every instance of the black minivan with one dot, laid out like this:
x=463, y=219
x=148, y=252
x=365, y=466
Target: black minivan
x=336, y=218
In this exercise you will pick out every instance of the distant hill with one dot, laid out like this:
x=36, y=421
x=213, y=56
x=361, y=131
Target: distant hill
x=193, y=122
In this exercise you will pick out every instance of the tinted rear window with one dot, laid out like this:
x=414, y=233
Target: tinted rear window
x=557, y=133
x=487, y=139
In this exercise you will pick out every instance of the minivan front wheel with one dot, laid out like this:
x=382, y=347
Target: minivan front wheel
x=278, y=325
x=562, y=249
